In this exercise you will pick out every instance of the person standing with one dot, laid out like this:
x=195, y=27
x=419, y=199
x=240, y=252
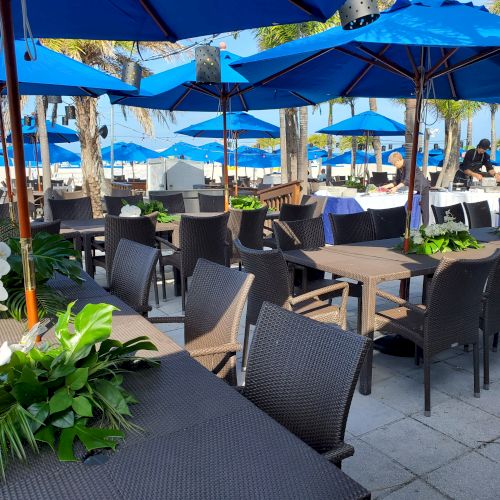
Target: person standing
x=402, y=179
x=477, y=158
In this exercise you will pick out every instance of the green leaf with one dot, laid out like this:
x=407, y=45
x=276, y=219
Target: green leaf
x=60, y=401
x=112, y=395
x=82, y=406
x=64, y=420
x=77, y=379
x=28, y=394
x=46, y=435
x=40, y=412
x=65, y=446
x=94, y=438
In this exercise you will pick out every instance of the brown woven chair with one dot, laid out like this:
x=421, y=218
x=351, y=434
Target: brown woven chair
x=310, y=390
x=456, y=211
x=132, y=272
x=352, y=228
x=5, y=214
x=173, y=203
x=449, y=317
x=320, y=201
x=114, y=204
x=53, y=227
x=76, y=209
x=379, y=178
x=273, y=283
x=212, y=319
x=388, y=222
x=211, y=203
x=199, y=238
x=479, y=214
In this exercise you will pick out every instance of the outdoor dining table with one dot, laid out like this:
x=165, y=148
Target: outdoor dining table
x=200, y=438
x=370, y=263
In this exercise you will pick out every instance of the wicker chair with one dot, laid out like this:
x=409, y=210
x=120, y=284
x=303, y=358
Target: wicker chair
x=379, y=178
x=352, y=228
x=213, y=312
x=248, y=227
x=72, y=195
x=173, y=203
x=388, y=222
x=53, y=227
x=132, y=272
x=199, y=238
x=320, y=201
x=449, y=317
x=434, y=178
x=273, y=284
x=211, y=203
x=479, y=214
x=114, y=204
x=76, y=209
x=4, y=210
x=456, y=211
x=310, y=390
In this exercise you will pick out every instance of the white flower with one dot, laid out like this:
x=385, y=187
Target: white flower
x=28, y=341
x=130, y=211
x=4, y=251
x=5, y=354
x=417, y=239
x=448, y=217
x=4, y=267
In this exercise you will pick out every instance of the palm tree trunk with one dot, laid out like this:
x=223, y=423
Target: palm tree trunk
x=292, y=143
x=493, y=110
x=303, y=162
x=43, y=140
x=451, y=127
x=92, y=171
x=469, y=130
x=377, y=147
x=285, y=177
x=354, y=142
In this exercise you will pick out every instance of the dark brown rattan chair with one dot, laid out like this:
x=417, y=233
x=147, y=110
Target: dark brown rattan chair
x=173, y=203
x=449, y=317
x=456, y=211
x=76, y=209
x=352, y=228
x=248, y=227
x=310, y=390
x=199, y=238
x=114, y=204
x=273, y=283
x=132, y=272
x=53, y=227
x=211, y=203
x=320, y=201
x=213, y=312
x=388, y=222
x=479, y=214
x=4, y=210
x=379, y=178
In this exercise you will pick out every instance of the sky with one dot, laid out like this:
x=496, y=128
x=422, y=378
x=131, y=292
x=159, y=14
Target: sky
x=130, y=131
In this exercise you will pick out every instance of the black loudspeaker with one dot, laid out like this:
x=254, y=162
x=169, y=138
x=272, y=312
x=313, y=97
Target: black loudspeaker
x=70, y=112
x=103, y=131
x=389, y=146
x=361, y=147
x=132, y=74
x=358, y=13
x=54, y=99
x=27, y=121
x=64, y=121
x=384, y=148
x=207, y=60
x=436, y=146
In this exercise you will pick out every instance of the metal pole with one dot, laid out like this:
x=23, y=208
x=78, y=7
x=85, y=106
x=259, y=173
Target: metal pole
x=224, y=167
x=236, y=165
x=112, y=144
x=17, y=143
x=8, y=181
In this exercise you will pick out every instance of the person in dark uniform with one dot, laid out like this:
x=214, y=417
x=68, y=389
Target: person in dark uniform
x=422, y=185
x=476, y=159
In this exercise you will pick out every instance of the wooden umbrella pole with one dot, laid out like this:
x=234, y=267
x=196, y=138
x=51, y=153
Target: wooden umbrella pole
x=19, y=165
x=224, y=167
x=236, y=165
x=8, y=181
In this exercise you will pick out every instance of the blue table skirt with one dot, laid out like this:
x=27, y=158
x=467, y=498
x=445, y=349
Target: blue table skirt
x=351, y=206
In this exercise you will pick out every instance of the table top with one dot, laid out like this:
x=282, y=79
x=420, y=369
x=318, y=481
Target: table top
x=201, y=439
x=486, y=235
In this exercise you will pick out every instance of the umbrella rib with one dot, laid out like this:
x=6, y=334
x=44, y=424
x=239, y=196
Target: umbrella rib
x=443, y=60
x=386, y=62
x=203, y=90
x=165, y=29
x=239, y=94
x=92, y=94
x=412, y=60
x=181, y=98
x=305, y=99
x=307, y=8
x=451, y=80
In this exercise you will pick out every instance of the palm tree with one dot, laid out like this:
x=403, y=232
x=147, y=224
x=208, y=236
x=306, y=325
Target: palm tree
x=471, y=108
x=377, y=147
x=493, y=111
x=107, y=56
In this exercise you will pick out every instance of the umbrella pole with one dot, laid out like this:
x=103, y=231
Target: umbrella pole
x=8, y=181
x=413, y=166
x=224, y=167
x=17, y=143
x=367, y=175
x=236, y=166
x=40, y=187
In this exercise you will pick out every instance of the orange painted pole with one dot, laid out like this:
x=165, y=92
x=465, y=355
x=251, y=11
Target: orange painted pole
x=19, y=164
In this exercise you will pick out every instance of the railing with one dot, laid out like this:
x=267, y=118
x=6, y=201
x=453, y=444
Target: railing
x=275, y=196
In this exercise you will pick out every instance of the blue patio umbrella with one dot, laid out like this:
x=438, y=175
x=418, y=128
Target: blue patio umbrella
x=314, y=153
x=402, y=151
x=417, y=49
x=57, y=154
x=56, y=134
x=239, y=125
x=346, y=159
x=129, y=152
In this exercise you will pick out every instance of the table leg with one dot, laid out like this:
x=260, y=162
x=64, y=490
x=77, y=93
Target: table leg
x=177, y=282
x=366, y=328
x=87, y=248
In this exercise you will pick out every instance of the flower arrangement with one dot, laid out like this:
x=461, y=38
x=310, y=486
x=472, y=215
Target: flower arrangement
x=142, y=208
x=5, y=253
x=450, y=236
x=245, y=202
x=73, y=390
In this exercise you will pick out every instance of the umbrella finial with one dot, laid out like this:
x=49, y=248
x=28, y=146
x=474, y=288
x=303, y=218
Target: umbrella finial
x=358, y=13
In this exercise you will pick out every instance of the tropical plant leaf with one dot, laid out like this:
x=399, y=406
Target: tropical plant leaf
x=64, y=420
x=46, y=435
x=60, y=401
x=40, y=412
x=77, y=379
x=82, y=406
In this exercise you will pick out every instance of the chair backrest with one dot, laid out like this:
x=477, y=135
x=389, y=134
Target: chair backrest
x=388, y=222
x=300, y=234
x=211, y=203
x=379, y=178
x=114, y=204
x=213, y=312
x=52, y=227
x=434, y=178
x=352, y=228
x=479, y=214
x=132, y=273
x=139, y=229
x=203, y=238
x=491, y=310
x=454, y=301
x=173, y=203
x=297, y=212
x=247, y=226
x=71, y=195
x=319, y=200
x=272, y=281
x=5, y=214
x=303, y=374
x=456, y=211
x=77, y=209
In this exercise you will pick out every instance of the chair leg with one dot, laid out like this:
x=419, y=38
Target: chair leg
x=163, y=283
x=427, y=386
x=486, y=362
x=418, y=355
x=495, y=343
x=155, y=289
x=183, y=292
x=475, y=354
x=246, y=337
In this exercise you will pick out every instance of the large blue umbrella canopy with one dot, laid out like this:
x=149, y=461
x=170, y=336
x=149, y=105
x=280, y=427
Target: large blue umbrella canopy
x=194, y=153
x=313, y=152
x=52, y=73
x=57, y=154
x=56, y=133
x=159, y=20
x=367, y=123
x=346, y=159
x=257, y=159
x=129, y=151
x=402, y=151
x=178, y=149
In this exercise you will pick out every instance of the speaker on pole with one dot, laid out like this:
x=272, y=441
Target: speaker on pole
x=207, y=60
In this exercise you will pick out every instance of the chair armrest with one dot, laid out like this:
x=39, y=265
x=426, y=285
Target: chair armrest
x=401, y=302
x=341, y=285
x=232, y=347
x=97, y=245
x=167, y=319
x=163, y=241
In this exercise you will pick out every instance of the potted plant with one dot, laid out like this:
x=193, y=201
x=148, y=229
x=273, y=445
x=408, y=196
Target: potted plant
x=245, y=202
x=153, y=209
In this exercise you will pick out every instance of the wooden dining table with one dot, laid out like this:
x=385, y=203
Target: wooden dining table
x=371, y=263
